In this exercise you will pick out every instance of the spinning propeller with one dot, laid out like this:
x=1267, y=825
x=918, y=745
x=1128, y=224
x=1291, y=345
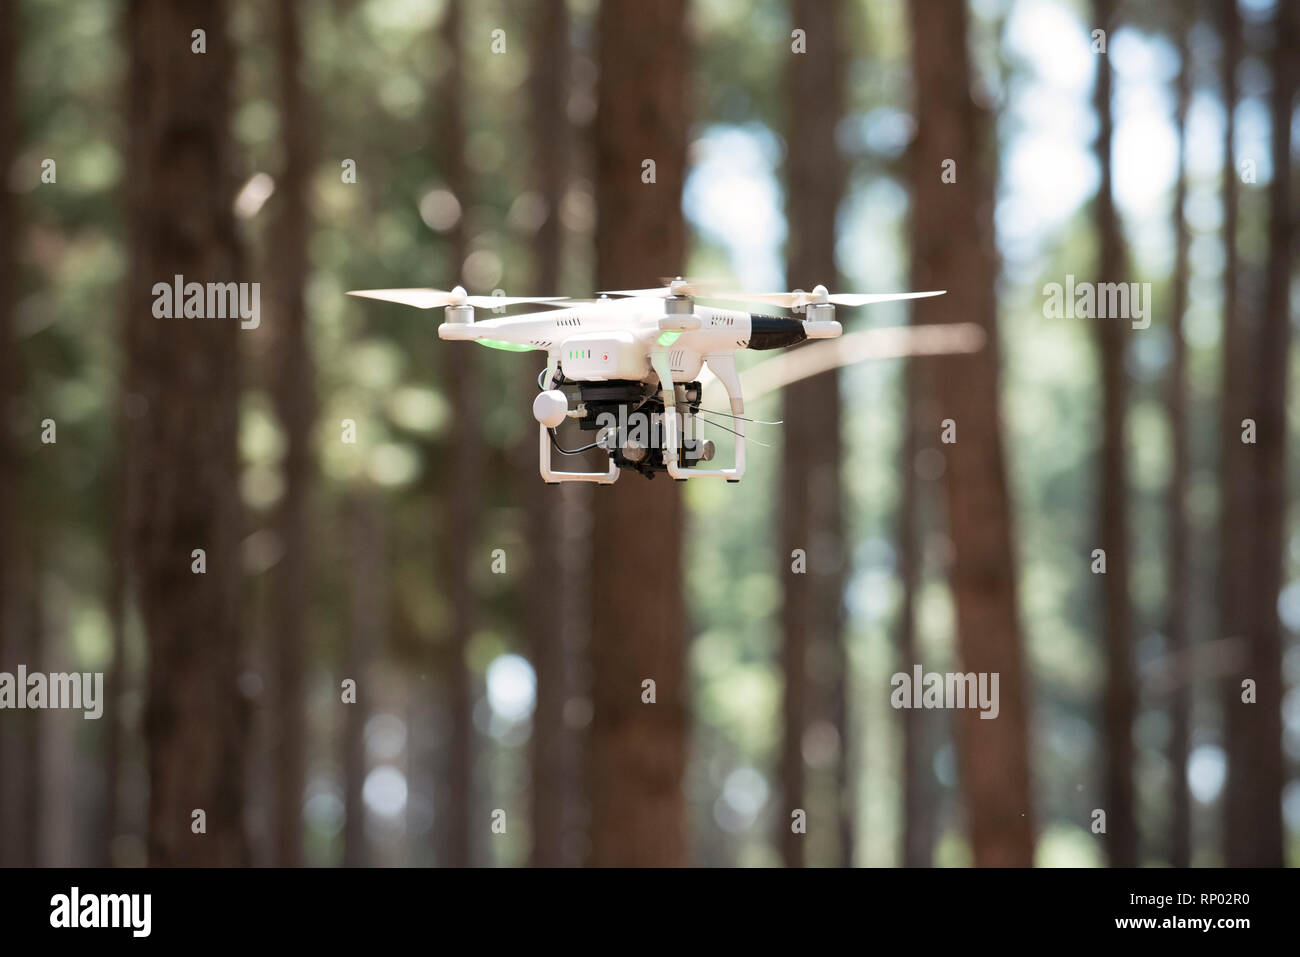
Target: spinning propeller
x=787, y=300
x=799, y=299
x=672, y=286
x=433, y=298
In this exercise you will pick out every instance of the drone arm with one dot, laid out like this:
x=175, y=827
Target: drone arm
x=663, y=368
x=608, y=477
x=724, y=367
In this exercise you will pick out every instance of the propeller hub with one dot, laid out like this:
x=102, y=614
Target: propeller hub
x=820, y=293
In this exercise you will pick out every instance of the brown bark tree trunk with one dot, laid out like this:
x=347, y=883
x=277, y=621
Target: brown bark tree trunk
x=1180, y=706
x=1113, y=525
x=458, y=506
x=1235, y=552
x=9, y=461
x=552, y=752
x=293, y=392
x=917, y=811
x=183, y=376
x=638, y=750
x=115, y=590
x=1262, y=766
x=32, y=812
x=953, y=248
x=365, y=633
x=812, y=507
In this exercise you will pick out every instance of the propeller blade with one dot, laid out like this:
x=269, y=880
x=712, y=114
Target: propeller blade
x=419, y=298
x=493, y=302
x=660, y=292
x=432, y=298
x=672, y=286
x=855, y=299
x=889, y=343
x=561, y=312
x=786, y=300
x=791, y=300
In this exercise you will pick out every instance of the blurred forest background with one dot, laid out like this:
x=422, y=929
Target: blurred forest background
x=317, y=147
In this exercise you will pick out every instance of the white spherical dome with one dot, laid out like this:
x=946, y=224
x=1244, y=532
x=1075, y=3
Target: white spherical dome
x=550, y=408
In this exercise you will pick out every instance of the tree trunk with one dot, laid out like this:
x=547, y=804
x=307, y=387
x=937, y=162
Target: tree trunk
x=1180, y=706
x=365, y=633
x=917, y=811
x=293, y=391
x=1113, y=527
x=1262, y=766
x=458, y=508
x=9, y=387
x=552, y=752
x=32, y=810
x=183, y=376
x=953, y=248
x=115, y=590
x=1235, y=551
x=638, y=750
x=812, y=506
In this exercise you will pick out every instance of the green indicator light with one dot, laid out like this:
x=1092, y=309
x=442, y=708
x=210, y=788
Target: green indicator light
x=504, y=346
x=669, y=337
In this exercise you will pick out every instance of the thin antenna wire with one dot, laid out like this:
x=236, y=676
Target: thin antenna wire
x=719, y=425
x=731, y=415
x=744, y=417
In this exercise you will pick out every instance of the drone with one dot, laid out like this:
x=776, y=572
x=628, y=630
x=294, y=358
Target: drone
x=627, y=366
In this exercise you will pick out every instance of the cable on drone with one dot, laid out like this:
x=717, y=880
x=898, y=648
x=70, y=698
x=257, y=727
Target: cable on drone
x=564, y=451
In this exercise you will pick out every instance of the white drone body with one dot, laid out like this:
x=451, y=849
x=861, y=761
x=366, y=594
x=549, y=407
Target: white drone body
x=637, y=355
